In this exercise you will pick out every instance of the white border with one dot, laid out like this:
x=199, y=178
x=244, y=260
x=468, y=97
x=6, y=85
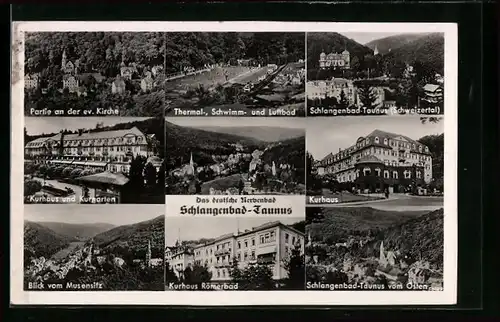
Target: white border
x=448, y=296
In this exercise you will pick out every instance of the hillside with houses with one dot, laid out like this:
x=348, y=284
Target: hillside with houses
x=381, y=248
x=216, y=162
x=122, y=258
x=95, y=70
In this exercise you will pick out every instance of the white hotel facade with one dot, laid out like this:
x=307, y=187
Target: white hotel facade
x=270, y=243
x=105, y=150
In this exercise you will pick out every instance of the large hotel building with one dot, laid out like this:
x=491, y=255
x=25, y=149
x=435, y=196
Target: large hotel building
x=101, y=150
x=381, y=160
x=270, y=243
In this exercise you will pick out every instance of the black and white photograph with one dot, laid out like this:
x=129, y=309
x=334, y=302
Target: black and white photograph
x=388, y=161
x=94, y=248
x=235, y=74
x=94, y=73
x=234, y=253
x=94, y=160
x=375, y=248
x=235, y=156
x=375, y=73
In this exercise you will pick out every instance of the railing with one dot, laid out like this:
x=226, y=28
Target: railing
x=222, y=251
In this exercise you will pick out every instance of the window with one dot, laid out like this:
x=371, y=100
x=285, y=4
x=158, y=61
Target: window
x=395, y=174
x=376, y=139
x=253, y=241
x=246, y=243
x=420, y=148
x=386, y=174
x=407, y=174
x=426, y=149
x=385, y=140
x=253, y=254
x=239, y=245
x=293, y=240
x=286, y=238
x=377, y=171
x=218, y=273
x=419, y=174
x=262, y=239
x=366, y=171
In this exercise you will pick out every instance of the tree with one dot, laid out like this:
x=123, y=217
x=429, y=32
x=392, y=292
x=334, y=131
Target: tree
x=367, y=96
x=150, y=175
x=198, y=275
x=136, y=171
x=295, y=268
x=343, y=102
x=314, y=215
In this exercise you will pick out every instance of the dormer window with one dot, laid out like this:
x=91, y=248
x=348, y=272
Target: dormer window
x=420, y=148
x=367, y=141
x=413, y=146
x=426, y=149
x=385, y=141
x=376, y=139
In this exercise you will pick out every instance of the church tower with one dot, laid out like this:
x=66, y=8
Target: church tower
x=63, y=60
x=148, y=254
x=382, y=260
x=191, y=163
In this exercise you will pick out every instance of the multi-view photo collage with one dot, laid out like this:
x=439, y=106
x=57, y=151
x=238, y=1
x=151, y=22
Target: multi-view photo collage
x=233, y=161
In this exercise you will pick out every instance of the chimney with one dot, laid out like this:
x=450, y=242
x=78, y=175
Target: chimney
x=80, y=131
x=340, y=149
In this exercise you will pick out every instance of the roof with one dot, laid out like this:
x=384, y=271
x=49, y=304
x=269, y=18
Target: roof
x=431, y=87
x=388, y=135
x=98, y=135
x=369, y=159
x=117, y=179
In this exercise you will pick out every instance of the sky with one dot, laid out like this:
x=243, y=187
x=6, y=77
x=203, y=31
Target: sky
x=38, y=125
x=328, y=134
x=193, y=228
x=366, y=37
x=286, y=122
x=89, y=214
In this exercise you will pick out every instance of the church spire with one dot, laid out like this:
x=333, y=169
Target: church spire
x=191, y=162
x=148, y=254
x=63, y=60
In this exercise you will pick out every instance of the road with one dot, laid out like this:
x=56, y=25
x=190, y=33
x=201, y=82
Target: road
x=398, y=202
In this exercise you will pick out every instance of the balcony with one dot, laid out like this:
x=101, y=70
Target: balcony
x=222, y=264
x=224, y=251
x=267, y=249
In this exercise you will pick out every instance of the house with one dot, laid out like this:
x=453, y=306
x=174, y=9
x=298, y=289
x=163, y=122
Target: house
x=71, y=83
x=118, y=85
x=127, y=72
x=157, y=70
x=147, y=83
x=31, y=81
x=433, y=94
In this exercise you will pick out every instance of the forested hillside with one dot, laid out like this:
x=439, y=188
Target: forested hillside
x=436, y=147
x=78, y=231
x=292, y=151
x=190, y=49
x=95, y=51
x=261, y=133
x=332, y=42
x=420, y=237
x=182, y=141
x=428, y=50
x=42, y=241
x=387, y=44
x=97, y=58
x=336, y=224
x=132, y=240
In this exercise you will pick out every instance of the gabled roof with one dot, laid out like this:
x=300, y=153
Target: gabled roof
x=431, y=87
